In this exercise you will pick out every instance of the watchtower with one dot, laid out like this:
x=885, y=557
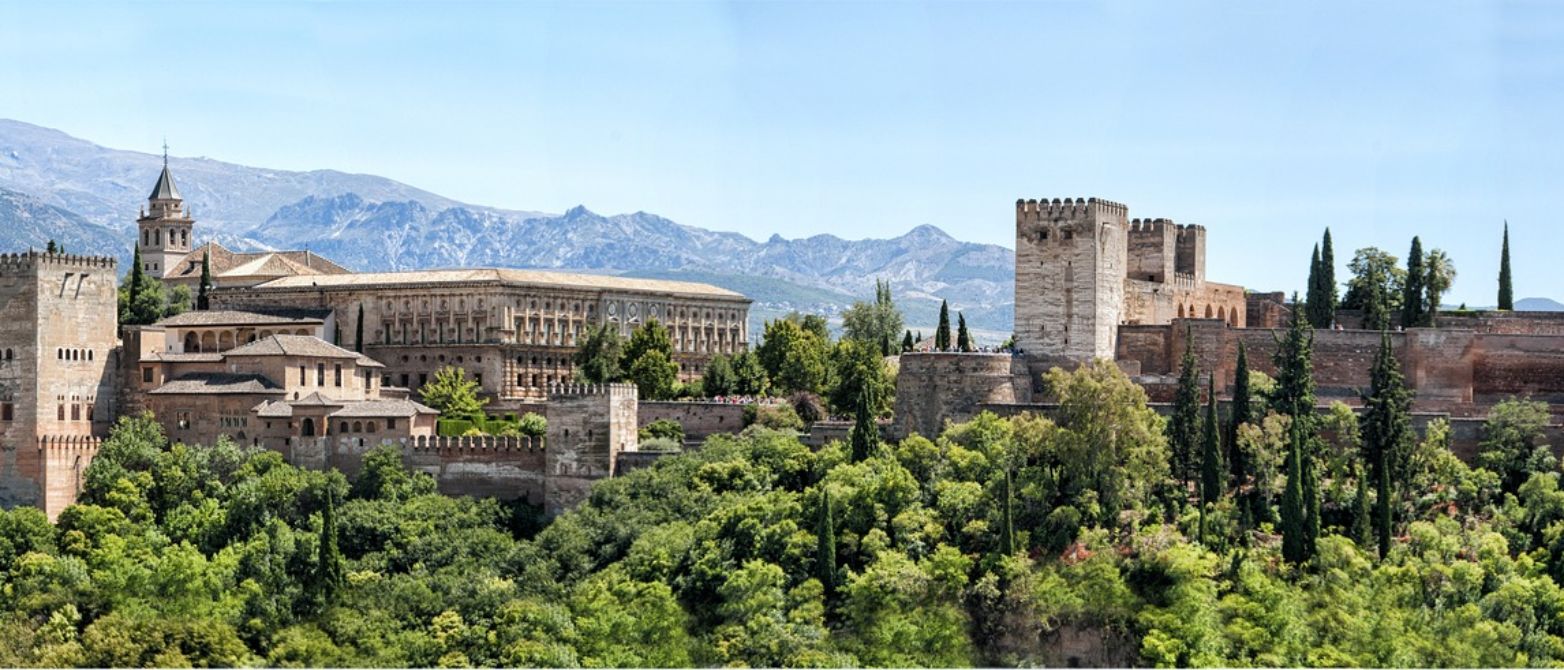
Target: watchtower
x=1070, y=270
x=57, y=345
x=589, y=425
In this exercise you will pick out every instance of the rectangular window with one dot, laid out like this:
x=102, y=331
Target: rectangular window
x=390, y=424
x=320, y=374
x=146, y=375
x=303, y=376
x=337, y=375
x=423, y=378
x=75, y=412
x=60, y=412
x=7, y=412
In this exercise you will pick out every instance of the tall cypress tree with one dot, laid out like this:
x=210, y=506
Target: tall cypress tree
x=1294, y=543
x=202, y=302
x=358, y=331
x=1294, y=392
x=1314, y=297
x=1328, y=280
x=1184, y=425
x=328, y=568
x=865, y=437
x=825, y=543
x=1414, y=298
x=906, y=342
x=1240, y=415
x=1506, y=292
x=1211, y=470
x=136, y=279
x=1387, y=433
x=942, y=333
x=1362, y=518
x=1007, y=532
x=963, y=339
x=1311, y=493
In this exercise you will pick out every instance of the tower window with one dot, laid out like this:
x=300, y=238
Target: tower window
x=1042, y=235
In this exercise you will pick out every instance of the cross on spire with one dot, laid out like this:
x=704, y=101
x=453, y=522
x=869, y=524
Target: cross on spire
x=165, y=152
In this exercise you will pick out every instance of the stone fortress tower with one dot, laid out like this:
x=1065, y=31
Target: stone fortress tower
x=589, y=426
x=57, y=366
x=1070, y=271
x=164, y=227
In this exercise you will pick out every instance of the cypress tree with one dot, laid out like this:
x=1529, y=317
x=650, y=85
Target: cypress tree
x=202, y=302
x=1387, y=432
x=963, y=339
x=1311, y=493
x=52, y=248
x=906, y=342
x=1506, y=292
x=328, y=575
x=942, y=333
x=1007, y=532
x=1211, y=470
x=1240, y=415
x=1314, y=298
x=1294, y=392
x=1362, y=520
x=825, y=547
x=1294, y=545
x=136, y=276
x=1328, y=279
x=358, y=331
x=1414, y=305
x=865, y=437
x=1184, y=426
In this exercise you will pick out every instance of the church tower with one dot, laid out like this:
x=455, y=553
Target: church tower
x=164, y=227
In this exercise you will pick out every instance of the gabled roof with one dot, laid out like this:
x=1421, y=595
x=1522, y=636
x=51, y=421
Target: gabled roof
x=316, y=400
x=210, y=383
x=292, y=345
x=262, y=264
x=382, y=408
x=273, y=409
x=502, y=276
x=164, y=189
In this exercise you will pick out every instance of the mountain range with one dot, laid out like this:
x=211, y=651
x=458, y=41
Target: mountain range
x=53, y=185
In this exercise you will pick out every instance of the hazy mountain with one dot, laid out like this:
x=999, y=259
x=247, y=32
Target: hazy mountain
x=1539, y=305
x=28, y=223
x=372, y=223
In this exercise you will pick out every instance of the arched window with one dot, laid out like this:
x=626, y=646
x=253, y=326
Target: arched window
x=307, y=429
x=358, y=426
x=343, y=427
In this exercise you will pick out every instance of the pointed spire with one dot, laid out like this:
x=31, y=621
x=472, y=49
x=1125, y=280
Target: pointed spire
x=164, y=189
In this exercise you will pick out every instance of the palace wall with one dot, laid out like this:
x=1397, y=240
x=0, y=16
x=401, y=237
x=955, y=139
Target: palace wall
x=699, y=419
x=934, y=387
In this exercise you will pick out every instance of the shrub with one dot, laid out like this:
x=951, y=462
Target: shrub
x=666, y=429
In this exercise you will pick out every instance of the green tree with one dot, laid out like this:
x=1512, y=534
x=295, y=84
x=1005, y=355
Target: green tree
x=1441, y=276
x=52, y=248
x=1184, y=425
x=202, y=301
x=825, y=543
x=865, y=435
x=718, y=379
x=178, y=302
x=130, y=291
x=1328, y=280
x=1414, y=292
x=906, y=343
x=1294, y=532
x=453, y=394
x=795, y=359
x=1375, y=288
x=1362, y=516
x=1293, y=394
x=1211, y=468
x=1241, y=414
x=598, y=359
x=1315, y=304
x=329, y=577
x=1387, y=433
x=1514, y=442
x=875, y=322
x=855, y=365
x=1007, y=531
x=655, y=376
x=1506, y=291
x=942, y=333
x=749, y=376
x=963, y=339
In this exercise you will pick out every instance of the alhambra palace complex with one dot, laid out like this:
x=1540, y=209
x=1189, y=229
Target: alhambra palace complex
x=277, y=361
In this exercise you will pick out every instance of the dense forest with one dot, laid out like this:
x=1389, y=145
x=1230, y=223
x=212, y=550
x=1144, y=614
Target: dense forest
x=993, y=544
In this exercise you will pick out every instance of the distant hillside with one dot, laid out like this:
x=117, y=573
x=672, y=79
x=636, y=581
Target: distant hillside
x=1539, y=305
x=29, y=223
x=372, y=223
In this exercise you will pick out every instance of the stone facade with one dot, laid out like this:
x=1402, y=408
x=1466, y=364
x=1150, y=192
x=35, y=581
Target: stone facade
x=57, y=367
x=588, y=428
x=932, y=388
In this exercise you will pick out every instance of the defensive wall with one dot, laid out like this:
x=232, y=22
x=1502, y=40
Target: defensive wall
x=699, y=419
x=934, y=387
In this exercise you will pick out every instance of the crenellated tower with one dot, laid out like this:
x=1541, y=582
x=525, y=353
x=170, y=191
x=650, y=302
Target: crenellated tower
x=589, y=425
x=164, y=227
x=1070, y=268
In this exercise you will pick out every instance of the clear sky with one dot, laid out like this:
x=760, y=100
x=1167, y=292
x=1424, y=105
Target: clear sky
x=1265, y=122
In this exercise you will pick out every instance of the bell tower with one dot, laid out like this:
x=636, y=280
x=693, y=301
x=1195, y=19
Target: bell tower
x=164, y=226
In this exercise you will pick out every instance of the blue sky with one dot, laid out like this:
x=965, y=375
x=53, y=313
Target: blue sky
x=1265, y=122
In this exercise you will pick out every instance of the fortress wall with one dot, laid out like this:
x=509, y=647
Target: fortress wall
x=934, y=387
x=700, y=419
x=501, y=467
x=1507, y=323
x=1266, y=310
x=1522, y=365
x=1149, y=347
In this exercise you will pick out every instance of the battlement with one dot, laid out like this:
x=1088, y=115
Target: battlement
x=21, y=261
x=69, y=443
x=466, y=444
x=561, y=391
x=1143, y=226
x=1191, y=229
x=1065, y=208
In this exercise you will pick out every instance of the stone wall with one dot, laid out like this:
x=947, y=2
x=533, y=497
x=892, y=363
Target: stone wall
x=1071, y=257
x=1506, y=323
x=699, y=419
x=506, y=468
x=932, y=388
x=588, y=427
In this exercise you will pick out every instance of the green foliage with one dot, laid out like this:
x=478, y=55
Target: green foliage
x=143, y=299
x=1506, y=290
x=598, y=360
x=655, y=375
x=858, y=366
x=1293, y=394
x=774, y=417
x=1387, y=434
x=749, y=375
x=963, y=339
x=942, y=333
x=1184, y=425
x=1375, y=287
x=718, y=379
x=1318, y=298
x=203, y=302
x=1414, y=292
x=1513, y=442
x=865, y=435
x=667, y=429
x=906, y=343
x=795, y=358
x=453, y=394
x=875, y=323
x=1440, y=277
x=1212, y=471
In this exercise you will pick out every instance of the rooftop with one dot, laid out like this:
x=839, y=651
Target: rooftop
x=270, y=317
x=500, y=276
x=208, y=383
x=292, y=345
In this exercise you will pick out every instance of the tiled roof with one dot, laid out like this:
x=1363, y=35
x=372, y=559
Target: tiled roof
x=367, y=362
x=382, y=408
x=503, y=276
x=230, y=264
x=172, y=357
x=292, y=345
x=317, y=400
x=228, y=317
x=164, y=188
x=208, y=383
x=273, y=409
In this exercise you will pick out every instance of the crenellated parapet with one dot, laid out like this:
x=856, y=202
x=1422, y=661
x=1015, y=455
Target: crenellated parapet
x=476, y=444
x=1066, y=208
x=27, y=260
x=69, y=444
x=564, y=391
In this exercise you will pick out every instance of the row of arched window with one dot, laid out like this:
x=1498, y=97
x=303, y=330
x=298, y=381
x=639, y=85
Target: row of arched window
x=65, y=354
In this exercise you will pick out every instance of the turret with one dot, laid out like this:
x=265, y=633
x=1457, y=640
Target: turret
x=164, y=227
